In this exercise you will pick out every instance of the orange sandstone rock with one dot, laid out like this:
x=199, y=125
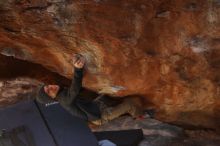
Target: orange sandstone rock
x=166, y=51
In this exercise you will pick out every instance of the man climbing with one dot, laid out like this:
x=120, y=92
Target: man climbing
x=92, y=111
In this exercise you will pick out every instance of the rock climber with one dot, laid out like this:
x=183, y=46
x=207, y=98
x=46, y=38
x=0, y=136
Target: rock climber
x=91, y=111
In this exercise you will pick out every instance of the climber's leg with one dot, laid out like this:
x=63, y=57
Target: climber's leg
x=126, y=107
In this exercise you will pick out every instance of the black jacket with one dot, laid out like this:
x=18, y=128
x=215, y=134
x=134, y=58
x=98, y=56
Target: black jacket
x=69, y=100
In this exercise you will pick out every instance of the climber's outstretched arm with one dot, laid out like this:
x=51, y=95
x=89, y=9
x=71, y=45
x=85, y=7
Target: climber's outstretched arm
x=76, y=85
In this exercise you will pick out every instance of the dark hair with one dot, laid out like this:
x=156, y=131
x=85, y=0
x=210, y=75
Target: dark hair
x=43, y=97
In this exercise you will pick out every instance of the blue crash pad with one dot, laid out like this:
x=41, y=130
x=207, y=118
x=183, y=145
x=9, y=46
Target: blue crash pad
x=50, y=126
x=67, y=129
x=26, y=114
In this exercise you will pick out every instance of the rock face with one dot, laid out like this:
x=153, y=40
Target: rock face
x=20, y=79
x=165, y=51
x=157, y=133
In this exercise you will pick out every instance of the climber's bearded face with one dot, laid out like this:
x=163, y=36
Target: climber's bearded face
x=52, y=90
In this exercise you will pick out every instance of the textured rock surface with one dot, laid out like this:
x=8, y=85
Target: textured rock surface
x=166, y=51
x=12, y=91
x=157, y=133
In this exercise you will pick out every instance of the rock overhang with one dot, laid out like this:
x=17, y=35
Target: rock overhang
x=166, y=52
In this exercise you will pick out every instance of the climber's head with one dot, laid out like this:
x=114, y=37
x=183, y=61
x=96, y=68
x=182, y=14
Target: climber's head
x=47, y=93
x=51, y=90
